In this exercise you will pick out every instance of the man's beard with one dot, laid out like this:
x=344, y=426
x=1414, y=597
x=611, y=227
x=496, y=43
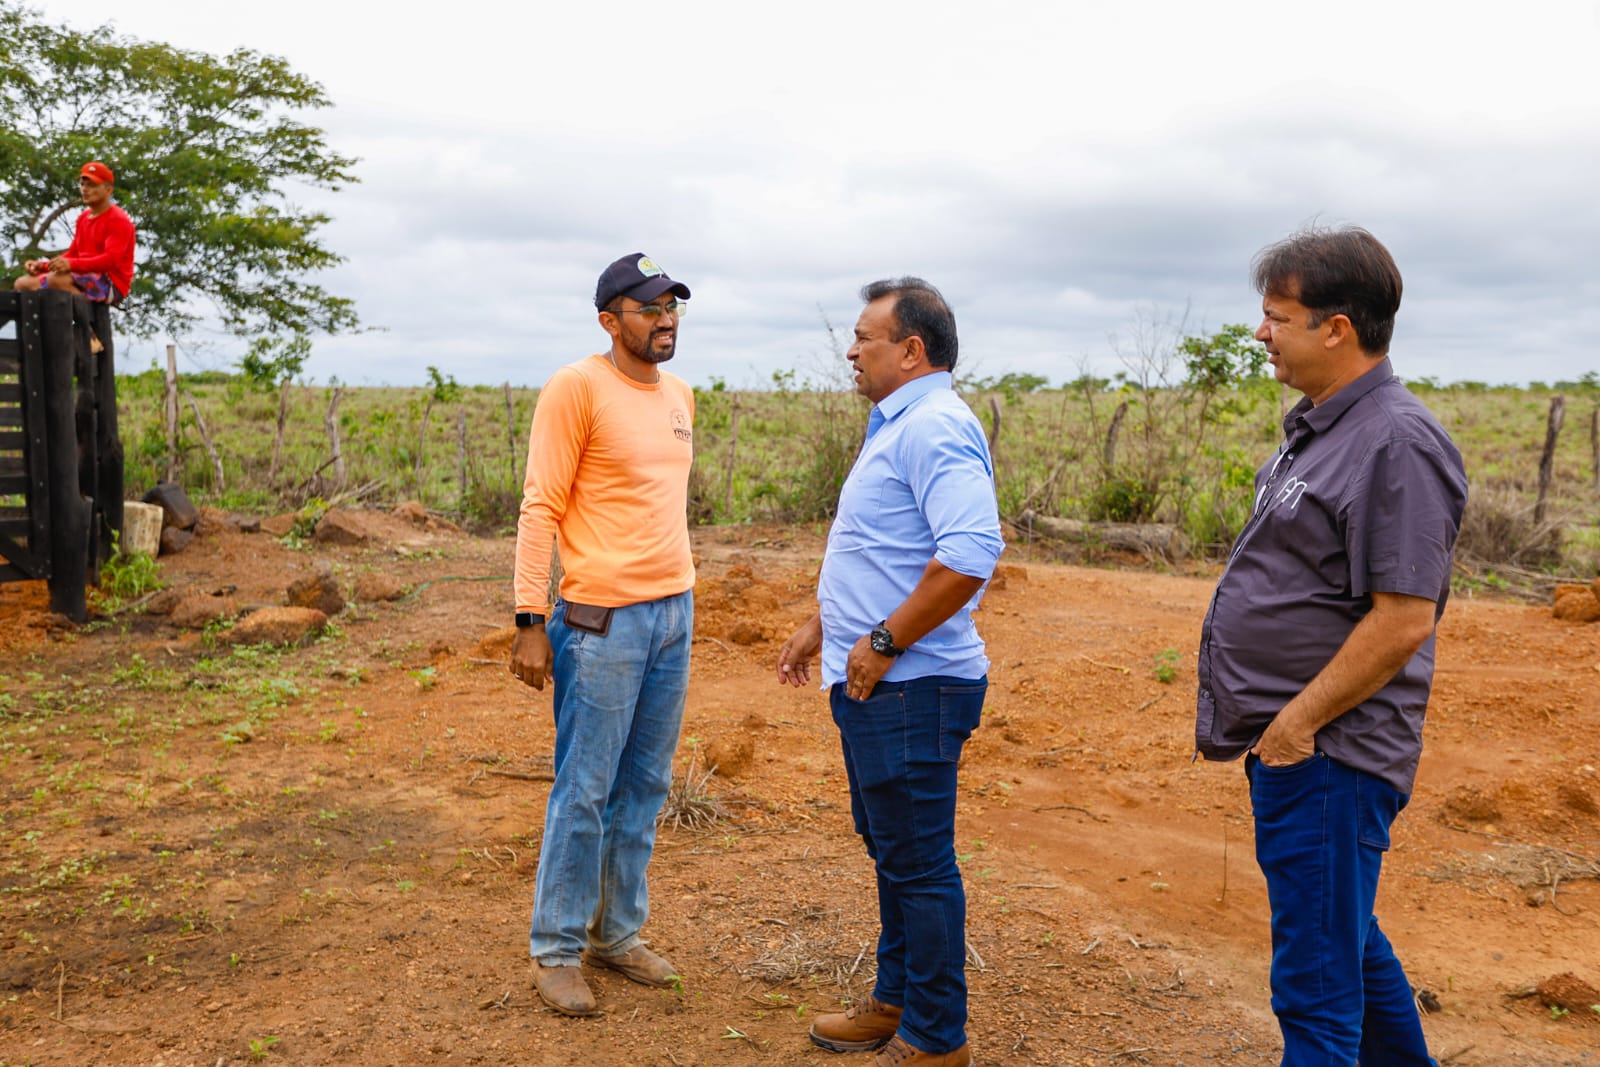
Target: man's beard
x=648, y=352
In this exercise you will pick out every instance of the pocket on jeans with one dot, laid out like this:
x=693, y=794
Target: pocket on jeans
x=1377, y=804
x=960, y=708
x=1289, y=768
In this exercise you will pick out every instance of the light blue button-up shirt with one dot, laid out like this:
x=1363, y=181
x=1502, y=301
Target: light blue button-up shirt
x=921, y=489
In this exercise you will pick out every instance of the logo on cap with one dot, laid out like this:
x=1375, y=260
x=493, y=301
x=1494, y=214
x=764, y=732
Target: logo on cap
x=648, y=268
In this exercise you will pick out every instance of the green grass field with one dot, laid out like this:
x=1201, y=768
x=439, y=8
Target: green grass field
x=779, y=455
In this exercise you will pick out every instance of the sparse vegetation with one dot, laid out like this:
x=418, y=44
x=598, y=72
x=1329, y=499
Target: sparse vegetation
x=1175, y=437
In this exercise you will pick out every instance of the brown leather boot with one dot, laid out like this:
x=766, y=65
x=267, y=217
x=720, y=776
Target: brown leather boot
x=901, y=1053
x=867, y=1024
x=639, y=964
x=564, y=989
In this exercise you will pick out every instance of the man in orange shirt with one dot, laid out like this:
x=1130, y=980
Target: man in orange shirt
x=98, y=264
x=608, y=483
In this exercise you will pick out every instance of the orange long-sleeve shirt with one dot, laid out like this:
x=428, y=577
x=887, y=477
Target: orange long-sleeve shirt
x=608, y=481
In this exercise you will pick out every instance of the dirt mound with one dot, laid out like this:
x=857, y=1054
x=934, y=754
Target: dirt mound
x=319, y=590
x=741, y=608
x=497, y=644
x=1468, y=804
x=1581, y=606
x=1570, y=993
x=731, y=755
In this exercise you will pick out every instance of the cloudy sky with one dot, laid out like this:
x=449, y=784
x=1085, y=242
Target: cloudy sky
x=1069, y=174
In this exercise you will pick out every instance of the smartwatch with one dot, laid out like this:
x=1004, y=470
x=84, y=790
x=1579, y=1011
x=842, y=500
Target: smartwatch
x=526, y=619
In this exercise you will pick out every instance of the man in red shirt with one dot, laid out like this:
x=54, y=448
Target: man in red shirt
x=99, y=263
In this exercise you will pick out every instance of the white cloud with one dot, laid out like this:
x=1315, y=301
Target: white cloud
x=1053, y=167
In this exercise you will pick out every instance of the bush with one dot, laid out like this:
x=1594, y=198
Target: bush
x=1498, y=528
x=1122, y=499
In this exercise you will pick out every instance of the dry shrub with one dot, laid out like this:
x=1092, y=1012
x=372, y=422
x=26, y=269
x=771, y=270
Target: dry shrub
x=815, y=947
x=1524, y=866
x=689, y=804
x=1498, y=529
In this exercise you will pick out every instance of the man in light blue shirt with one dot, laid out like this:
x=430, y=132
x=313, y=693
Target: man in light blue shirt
x=915, y=538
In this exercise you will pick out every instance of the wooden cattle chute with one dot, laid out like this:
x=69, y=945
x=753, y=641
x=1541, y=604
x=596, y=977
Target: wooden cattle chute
x=60, y=457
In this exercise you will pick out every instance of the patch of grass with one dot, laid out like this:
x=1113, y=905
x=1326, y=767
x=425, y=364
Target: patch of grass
x=127, y=576
x=1164, y=665
x=260, y=1046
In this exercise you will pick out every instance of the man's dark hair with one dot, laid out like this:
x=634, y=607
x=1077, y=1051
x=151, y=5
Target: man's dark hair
x=919, y=309
x=1344, y=271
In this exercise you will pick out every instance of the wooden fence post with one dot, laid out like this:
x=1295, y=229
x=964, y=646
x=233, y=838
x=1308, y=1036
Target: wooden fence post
x=1108, y=457
x=172, y=413
x=1594, y=447
x=1558, y=410
x=205, y=439
x=511, y=437
x=69, y=511
x=461, y=460
x=733, y=448
x=331, y=423
x=108, y=442
x=277, y=440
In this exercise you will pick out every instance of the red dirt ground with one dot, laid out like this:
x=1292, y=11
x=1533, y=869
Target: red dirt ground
x=348, y=880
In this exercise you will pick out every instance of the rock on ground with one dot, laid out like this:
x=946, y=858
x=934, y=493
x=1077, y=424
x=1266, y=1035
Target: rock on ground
x=318, y=591
x=278, y=525
x=196, y=608
x=375, y=586
x=278, y=626
x=174, y=540
x=172, y=500
x=340, y=527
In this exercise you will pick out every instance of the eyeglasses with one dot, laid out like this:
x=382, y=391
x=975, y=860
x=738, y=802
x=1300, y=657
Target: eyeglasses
x=677, y=308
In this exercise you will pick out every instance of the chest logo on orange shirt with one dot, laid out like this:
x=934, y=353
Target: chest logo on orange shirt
x=680, y=425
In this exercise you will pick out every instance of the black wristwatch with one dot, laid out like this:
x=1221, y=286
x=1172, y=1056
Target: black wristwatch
x=883, y=641
x=526, y=619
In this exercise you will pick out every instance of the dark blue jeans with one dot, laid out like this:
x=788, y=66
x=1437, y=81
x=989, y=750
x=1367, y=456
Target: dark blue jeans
x=901, y=746
x=1340, y=994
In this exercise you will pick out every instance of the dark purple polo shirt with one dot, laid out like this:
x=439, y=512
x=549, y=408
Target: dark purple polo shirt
x=1365, y=495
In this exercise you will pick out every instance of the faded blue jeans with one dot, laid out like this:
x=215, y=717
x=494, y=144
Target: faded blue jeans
x=901, y=747
x=1341, y=997
x=618, y=708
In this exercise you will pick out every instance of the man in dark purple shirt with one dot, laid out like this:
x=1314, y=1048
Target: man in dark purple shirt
x=1316, y=655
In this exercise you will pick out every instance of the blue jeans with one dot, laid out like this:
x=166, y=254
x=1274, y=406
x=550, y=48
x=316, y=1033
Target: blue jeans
x=1340, y=994
x=618, y=708
x=901, y=746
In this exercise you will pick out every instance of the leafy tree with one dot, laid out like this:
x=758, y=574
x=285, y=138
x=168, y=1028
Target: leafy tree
x=205, y=150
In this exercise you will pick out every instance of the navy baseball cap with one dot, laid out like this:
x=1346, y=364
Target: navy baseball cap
x=636, y=277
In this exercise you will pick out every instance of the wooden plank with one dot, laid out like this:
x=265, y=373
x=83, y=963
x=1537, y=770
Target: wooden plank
x=32, y=564
x=32, y=379
x=11, y=416
x=11, y=392
x=69, y=513
x=13, y=440
x=10, y=573
x=13, y=483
